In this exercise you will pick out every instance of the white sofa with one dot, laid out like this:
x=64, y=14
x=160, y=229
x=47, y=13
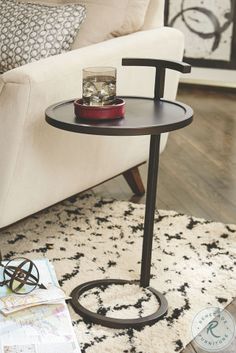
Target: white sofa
x=41, y=165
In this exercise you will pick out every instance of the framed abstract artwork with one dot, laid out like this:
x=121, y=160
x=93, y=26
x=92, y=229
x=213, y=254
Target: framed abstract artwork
x=209, y=27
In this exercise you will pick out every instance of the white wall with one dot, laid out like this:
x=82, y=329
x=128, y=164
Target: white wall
x=214, y=77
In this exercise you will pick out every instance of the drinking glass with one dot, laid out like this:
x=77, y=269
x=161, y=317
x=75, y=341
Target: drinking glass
x=99, y=85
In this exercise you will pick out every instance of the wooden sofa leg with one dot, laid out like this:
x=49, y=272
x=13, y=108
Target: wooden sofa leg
x=133, y=178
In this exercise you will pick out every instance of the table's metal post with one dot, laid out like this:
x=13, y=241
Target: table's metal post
x=150, y=209
x=146, y=260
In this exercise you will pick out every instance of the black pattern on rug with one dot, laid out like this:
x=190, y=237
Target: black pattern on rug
x=86, y=238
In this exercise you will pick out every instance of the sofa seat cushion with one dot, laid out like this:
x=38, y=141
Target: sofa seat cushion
x=106, y=18
x=30, y=32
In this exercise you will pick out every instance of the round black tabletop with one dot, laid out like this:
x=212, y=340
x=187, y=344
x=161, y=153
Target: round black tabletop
x=143, y=116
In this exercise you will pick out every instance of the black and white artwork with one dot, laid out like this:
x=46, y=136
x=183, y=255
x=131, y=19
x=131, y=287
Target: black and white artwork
x=209, y=28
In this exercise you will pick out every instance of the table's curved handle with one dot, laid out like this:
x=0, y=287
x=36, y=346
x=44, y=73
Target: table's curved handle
x=161, y=66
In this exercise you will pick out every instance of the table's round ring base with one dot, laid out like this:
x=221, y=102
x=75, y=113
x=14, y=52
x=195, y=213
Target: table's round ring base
x=114, y=322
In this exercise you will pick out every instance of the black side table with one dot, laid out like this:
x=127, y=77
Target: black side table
x=144, y=116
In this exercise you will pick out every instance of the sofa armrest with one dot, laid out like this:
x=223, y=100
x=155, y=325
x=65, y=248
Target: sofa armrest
x=164, y=43
x=60, y=77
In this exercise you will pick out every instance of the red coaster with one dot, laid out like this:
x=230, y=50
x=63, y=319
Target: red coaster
x=105, y=112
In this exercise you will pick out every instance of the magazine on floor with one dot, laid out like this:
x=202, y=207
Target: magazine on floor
x=40, y=328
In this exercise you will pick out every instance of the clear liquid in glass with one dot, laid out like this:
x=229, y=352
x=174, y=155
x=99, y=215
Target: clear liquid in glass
x=99, y=90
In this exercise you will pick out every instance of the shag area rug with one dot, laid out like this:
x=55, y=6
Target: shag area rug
x=86, y=238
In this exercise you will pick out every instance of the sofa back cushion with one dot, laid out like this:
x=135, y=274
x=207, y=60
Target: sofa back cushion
x=155, y=14
x=106, y=19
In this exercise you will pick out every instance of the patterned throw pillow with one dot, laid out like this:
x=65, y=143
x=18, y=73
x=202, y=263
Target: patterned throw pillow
x=30, y=32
